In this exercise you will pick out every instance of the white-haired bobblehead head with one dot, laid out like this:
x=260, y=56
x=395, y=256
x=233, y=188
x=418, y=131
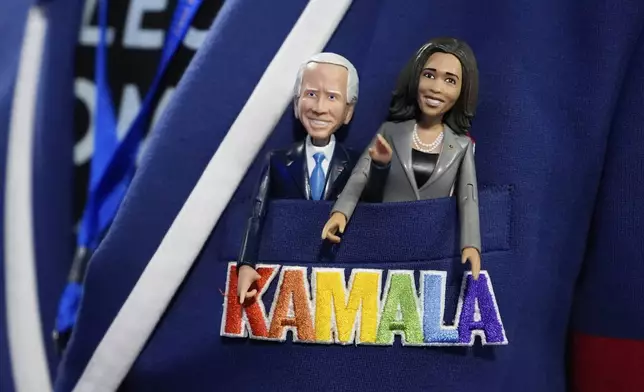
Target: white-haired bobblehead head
x=353, y=81
x=325, y=94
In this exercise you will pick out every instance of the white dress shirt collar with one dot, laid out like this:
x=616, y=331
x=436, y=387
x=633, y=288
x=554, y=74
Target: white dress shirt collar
x=327, y=150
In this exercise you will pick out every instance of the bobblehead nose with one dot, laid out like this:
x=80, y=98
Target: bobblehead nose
x=435, y=88
x=321, y=106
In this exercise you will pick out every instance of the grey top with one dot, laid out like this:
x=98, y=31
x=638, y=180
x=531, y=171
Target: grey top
x=454, y=170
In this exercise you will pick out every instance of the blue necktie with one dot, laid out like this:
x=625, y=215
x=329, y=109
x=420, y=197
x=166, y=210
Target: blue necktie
x=317, y=178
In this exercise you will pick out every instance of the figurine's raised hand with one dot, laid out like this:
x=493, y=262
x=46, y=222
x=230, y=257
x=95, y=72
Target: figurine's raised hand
x=336, y=223
x=472, y=254
x=380, y=151
x=246, y=276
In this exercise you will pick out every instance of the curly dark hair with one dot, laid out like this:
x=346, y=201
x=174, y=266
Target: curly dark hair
x=404, y=103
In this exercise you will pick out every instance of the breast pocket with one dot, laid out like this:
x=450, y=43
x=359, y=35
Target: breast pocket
x=382, y=232
x=401, y=259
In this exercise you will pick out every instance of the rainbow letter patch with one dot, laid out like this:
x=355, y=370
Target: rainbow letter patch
x=323, y=308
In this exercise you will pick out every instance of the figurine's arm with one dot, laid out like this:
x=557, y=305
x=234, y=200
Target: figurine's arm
x=374, y=190
x=468, y=202
x=250, y=245
x=360, y=176
x=246, y=274
x=380, y=153
x=468, y=210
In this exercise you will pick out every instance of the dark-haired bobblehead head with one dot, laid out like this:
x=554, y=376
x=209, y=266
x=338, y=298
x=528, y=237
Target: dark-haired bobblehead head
x=440, y=80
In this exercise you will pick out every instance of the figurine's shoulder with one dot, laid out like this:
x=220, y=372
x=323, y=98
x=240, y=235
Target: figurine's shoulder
x=463, y=140
x=387, y=127
x=351, y=154
x=286, y=154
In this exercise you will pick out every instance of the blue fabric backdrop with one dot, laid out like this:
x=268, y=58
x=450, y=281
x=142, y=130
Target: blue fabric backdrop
x=559, y=162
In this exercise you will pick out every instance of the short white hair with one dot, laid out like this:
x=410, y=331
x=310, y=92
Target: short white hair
x=336, y=59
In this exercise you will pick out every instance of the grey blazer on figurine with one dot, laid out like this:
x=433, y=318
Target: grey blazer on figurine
x=454, y=170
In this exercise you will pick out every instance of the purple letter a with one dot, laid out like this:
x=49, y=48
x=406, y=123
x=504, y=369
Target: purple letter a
x=484, y=317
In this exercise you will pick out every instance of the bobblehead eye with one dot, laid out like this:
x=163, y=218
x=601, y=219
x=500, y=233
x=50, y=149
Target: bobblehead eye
x=332, y=97
x=310, y=94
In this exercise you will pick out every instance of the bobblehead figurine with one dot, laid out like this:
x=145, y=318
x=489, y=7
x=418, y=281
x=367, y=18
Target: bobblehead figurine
x=325, y=95
x=430, y=114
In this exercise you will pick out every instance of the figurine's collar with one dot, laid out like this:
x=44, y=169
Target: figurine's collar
x=310, y=145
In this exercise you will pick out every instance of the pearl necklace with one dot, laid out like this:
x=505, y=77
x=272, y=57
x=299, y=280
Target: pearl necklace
x=424, y=147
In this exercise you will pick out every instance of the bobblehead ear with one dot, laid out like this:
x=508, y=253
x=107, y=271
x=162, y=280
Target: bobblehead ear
x=349, y=115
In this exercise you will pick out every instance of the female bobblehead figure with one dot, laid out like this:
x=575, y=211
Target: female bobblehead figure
x=422, y=151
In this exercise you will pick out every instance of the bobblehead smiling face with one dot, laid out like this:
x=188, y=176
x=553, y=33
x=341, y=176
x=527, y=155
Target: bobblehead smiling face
x=440, y=84
x=322, y=105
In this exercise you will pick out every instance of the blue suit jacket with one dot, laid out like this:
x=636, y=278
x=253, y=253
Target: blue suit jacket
x=559, y=170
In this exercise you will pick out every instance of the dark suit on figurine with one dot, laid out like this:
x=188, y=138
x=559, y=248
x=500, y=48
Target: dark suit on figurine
x=286, y=175
x=318, y=168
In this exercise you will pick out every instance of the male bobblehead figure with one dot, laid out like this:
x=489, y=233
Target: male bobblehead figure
x=325, y=95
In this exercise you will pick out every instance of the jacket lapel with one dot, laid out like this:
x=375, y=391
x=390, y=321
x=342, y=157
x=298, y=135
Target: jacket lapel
x=449, y=152
x=298, y=169
x=337, y=165
x=401, y=139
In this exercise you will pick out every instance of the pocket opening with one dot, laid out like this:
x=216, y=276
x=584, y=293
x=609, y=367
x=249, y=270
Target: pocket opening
x=377, y=232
